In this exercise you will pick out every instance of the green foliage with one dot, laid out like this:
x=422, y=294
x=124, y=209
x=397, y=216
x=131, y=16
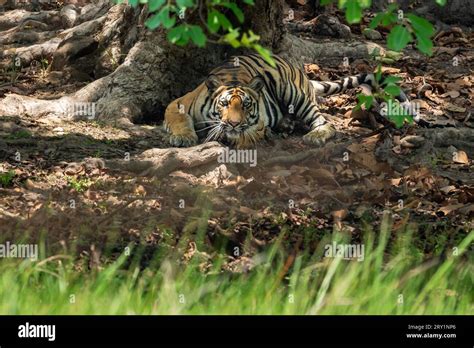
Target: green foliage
x=391, y=87
x=385, y=18
x=181, y=35
x=215, y=24
x=393, y=110
x=423, y=31
x=397, y=114
x=398, y=38
x=366, y=100
x=79, y=185
x=404, y=30
x=354, y=10
x=20, y=134
x=6, y=178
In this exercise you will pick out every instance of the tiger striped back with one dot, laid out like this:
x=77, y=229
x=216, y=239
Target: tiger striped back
x=246, y=94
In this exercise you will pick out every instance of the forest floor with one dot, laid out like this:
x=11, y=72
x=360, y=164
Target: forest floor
x=55, y=179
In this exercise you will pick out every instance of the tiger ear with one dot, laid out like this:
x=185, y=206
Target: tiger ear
x=213, y=82
x=257, y=83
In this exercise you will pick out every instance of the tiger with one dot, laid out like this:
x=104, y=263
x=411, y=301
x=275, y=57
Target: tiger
x=240, y=99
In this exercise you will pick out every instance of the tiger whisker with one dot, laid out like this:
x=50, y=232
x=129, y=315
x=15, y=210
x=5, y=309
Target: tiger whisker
x=209, y=135
x=209, y=121
x=211, y=126
x=213, y=132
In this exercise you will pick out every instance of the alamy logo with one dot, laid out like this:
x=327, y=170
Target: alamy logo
x=78, y=109
x=345, y=251
x=21, y=251
x=399, y=109
x=83, y=110
x=37, y=331
x=238, y=156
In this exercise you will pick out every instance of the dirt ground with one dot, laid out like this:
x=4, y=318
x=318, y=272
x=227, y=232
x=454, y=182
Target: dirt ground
x=63, y=188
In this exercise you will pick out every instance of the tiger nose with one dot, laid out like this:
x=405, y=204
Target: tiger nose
x=234, y=123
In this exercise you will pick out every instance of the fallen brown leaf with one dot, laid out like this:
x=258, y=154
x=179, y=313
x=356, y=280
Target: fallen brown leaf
x=460, y=157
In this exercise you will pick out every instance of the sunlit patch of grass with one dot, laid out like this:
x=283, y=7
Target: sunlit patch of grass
x=6, y=178
x=389, y=280
x=20, y=134
x=79, y=185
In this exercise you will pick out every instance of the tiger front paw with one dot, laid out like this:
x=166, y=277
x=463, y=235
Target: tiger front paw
x=320, y=135
x=184, y=140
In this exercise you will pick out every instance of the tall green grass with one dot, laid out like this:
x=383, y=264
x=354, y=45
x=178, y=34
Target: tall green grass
x=390, y=280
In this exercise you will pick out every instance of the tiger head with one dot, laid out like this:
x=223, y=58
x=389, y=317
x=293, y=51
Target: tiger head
x=234, y=112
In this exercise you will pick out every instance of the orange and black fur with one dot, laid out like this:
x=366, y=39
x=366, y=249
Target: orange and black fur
x=242, y=97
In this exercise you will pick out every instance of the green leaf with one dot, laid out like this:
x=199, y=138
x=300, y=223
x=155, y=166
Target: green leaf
x=133, y=3
x=391, y=80
x=168, y=22
x=231, y=38
x=213, y=22
x=161, y=18
x=266, y=54
x=197, y=35
x=235, y=9
x=353, y=11
x=249, y=39
x=398, y=38
x=325, y=2
x=441, y=2
x=253, y=37
x=397, y=113
x=154, y=5
x=249, y=2
x=376, y=21
x=224, y=22
x=385, y=18
x=424, y=44
x=393, y=90
x=421, y=25
x=389, y=19
x=185, y=3
x=399, y=120
x=176, y=34
x=153, y=22
x=366, y=100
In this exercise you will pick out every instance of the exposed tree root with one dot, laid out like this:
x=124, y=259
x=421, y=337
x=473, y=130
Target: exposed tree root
x=17, y=17
x=330, y=150
x=30, y=31
x=161, y=162
x=300, y=51
x=33, y=52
